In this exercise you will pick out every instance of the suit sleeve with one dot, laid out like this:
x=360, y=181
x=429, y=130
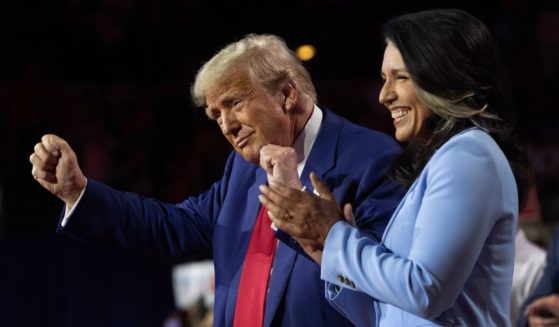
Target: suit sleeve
x=134, y=223
x=448, y=235
x=377, y=195
x=549, y=283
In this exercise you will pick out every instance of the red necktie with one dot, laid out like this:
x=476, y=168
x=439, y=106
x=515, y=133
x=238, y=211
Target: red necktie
x=249, y=310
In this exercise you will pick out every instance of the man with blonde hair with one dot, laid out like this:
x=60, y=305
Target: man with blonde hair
x=265, y=104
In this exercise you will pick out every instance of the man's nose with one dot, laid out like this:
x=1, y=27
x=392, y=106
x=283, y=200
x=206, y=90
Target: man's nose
x=229, y=124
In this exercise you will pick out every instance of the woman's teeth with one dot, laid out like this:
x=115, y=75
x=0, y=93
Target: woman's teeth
x=399, y=113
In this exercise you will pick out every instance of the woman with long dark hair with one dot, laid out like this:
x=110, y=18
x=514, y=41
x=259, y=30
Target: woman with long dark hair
x=446, y=257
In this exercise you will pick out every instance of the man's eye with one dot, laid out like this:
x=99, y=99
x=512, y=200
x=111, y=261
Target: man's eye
x=402, y=77
x=213, y=115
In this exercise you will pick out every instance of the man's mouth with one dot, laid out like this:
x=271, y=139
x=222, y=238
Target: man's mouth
x=243, y=141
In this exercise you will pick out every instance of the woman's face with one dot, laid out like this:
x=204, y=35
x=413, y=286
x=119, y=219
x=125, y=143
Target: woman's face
x=399, y=95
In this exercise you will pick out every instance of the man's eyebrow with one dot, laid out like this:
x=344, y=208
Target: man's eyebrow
x=230, y=95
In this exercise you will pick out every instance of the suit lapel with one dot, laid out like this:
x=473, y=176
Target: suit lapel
x=253, y=205
x=281, y=271
x=322, y=157
x=321, y=160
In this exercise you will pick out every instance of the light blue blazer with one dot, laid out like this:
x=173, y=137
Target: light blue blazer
x=446, y=257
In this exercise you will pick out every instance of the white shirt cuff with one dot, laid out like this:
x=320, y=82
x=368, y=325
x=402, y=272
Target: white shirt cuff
x=68, y=212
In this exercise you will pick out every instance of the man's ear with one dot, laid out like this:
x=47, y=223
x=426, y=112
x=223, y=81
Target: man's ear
x=290, y=94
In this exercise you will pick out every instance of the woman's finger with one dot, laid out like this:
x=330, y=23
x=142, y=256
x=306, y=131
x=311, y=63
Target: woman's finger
x=281, y=221
x=285, y=191
x=348, y=214
x=272, y=194
x=274, y=211
x=281, y=195
x=321, y=188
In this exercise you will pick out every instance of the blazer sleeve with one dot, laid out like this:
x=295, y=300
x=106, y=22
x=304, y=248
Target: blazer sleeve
x=549, y=283
x=450, y=230
x=134, y=223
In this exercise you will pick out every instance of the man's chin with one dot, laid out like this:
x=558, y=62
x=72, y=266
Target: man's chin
x=250, y=156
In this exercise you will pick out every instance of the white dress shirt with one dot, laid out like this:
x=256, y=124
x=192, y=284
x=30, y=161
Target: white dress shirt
x=529, y=262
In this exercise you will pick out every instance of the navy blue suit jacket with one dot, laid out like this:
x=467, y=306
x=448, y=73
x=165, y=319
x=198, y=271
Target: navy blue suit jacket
x=549, y=284
x=351, y=160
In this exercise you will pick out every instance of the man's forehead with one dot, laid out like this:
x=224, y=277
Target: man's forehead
x=230, y=86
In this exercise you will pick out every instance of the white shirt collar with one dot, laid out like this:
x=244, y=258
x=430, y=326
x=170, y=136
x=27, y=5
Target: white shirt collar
x=304, y=142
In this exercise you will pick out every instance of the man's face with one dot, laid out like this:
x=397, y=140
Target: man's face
x=249, y=117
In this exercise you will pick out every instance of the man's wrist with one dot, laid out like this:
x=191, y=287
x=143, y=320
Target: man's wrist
x=75, y=196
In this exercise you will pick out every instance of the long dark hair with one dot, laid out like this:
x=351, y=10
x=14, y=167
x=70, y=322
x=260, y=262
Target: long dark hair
x=454, y=64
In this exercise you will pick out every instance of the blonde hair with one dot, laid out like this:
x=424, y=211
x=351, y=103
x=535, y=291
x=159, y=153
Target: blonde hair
x=267, y=60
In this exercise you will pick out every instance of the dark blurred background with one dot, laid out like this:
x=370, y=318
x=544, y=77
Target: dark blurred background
x=113, y=76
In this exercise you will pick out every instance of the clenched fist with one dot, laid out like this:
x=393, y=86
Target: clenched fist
x=56, y=168
x=280, y=164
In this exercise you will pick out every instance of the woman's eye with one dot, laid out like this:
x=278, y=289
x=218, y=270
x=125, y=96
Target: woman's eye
x=402, y=77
